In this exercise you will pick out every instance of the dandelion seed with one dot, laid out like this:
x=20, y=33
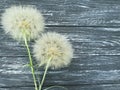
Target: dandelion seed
x=53, y=45
x=20, y=21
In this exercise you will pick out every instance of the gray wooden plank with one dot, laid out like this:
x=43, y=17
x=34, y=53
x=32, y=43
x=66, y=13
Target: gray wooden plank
x=82, y=71
x=17, y=88
x=80, y=87
x=74, y=12
x=85, y=40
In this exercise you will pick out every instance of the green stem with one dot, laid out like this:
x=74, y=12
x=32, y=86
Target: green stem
x=56, y=86
x=31, y=63
x=44, y=75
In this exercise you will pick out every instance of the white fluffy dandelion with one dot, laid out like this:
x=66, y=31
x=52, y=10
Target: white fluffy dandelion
x=20, y=21
x=54, y=46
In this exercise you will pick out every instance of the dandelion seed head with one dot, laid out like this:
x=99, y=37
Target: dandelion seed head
x=53, y=45
x=19, y=20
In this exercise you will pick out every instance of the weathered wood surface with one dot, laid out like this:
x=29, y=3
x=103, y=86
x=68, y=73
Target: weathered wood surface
x=74, y=12
x=93, y=28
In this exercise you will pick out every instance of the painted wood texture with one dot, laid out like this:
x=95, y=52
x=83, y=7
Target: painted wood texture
x=93, y=28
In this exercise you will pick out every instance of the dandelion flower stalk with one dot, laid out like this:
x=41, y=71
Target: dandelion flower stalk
x=31, y=63
x=44, y=75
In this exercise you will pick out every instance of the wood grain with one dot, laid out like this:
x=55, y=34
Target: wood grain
x=96, y=60
x=85, y=40
x=92, y=26
x=82, y=87
x=74, y=12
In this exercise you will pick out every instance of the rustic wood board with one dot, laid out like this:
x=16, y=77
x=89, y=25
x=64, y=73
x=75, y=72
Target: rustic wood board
x=74, y=12
x=93, y=28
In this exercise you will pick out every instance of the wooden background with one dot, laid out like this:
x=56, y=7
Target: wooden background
x=93, y=27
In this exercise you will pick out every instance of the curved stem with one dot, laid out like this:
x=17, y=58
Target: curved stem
x=56, y=86
x=31, y=63
x=46, y=69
